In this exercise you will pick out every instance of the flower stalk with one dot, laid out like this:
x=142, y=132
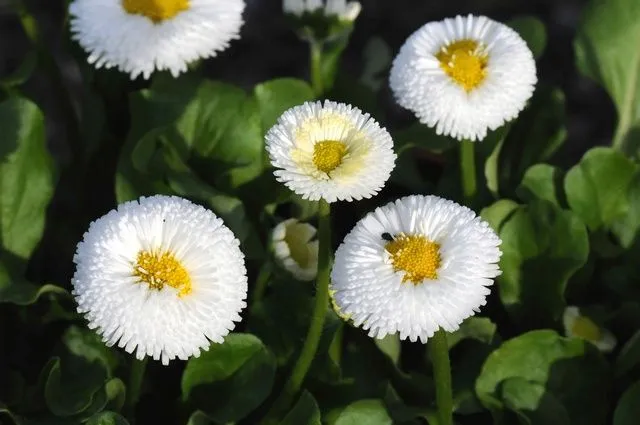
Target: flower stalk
x=468, y=171
x=439, y=352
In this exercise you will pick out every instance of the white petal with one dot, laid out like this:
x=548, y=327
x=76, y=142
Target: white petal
x=136, y=45
x=373, y=294
x=420, y=84
x=158, y=322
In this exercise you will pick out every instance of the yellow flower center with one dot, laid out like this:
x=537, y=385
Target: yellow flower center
x=160, y=269
x=465, y=61
x=327, y=155
x=156, y=10
x=416, y=256
x=584, y=328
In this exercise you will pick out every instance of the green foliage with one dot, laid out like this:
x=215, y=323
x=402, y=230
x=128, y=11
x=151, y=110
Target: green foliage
x=364, y=412
x=231, y=379
x=605, y=53
x=304, y=412
x=543, y=246
x=528, y=374
x=628, y=410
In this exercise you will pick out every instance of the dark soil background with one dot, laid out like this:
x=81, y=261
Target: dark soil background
x=269, y=49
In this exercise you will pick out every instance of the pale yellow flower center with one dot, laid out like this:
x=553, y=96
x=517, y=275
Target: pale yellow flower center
x=327, y=155
x=465, y=61
x=298, y=245
x=156, y=10
x=416, y=256
x=160, y=269
x=584, y=327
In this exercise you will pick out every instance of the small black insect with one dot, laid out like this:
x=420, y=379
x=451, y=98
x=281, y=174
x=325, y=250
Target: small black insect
x=387, y=237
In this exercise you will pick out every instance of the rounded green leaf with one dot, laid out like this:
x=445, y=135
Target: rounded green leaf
x=607, y=51
x=27, y=179
x=77, y=378
x=498, y=212
x=364, y=412
x=107, y=418
x=541, y=181
x=629, y=357
x=276, y=96
x=628, y=410
x=543, y=246
x=570, y=370
x=304, y=412
x=597, y=188
x=231, y=379
x=481, y=329
x=534, y=402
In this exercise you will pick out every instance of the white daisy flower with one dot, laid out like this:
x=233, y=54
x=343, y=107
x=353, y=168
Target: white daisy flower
x=295, y=248
x=464, y=76
x=141, y=36
x=161, y=276
x=578, y=326
x=346, y=11
x=334, y=152
x=415, y=265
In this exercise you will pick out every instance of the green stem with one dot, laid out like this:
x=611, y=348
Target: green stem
x=134, y=387
x=439, y=351
x=30, y=28
x=310, y=347
x=316, y=68
x=468, y=170
x=261, y=283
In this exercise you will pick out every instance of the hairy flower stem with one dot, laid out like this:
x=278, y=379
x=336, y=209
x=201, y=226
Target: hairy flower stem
x=468, y=171
x=299, y=372
x=439, y=352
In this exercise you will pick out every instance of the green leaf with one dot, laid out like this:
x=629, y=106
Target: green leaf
x=541, y=181
x=25, y=293
x=533, y=138
x=276, y=96
x=22, y=74
x=597, y=188
x=390, y=346
x=115, y=391
x=27, y=179
x=305, y=412
x=107, y=418
x=199, y=418
x=606, y=51
x=79, y=374
x=533, y=402
x=626, y=228
x=364, y=412
x=628, y=410
x=543, y=246
x=629, y=357
x=533, y=31
x=497, y=213
x=570, y=370
x=481, y=329
x=231, y=379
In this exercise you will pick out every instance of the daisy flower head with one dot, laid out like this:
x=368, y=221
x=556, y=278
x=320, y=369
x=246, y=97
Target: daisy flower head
x=139, y=37
x=578, y=326
x=296, y=248
x=464, y=76
x=330, y=151
x=415, y=265
x=343, y=9
x=160, y=276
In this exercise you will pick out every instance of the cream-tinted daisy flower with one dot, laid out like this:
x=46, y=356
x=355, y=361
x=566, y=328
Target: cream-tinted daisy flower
x=343, y=9
x=331, y=151
x=141, y=36
x=579, y=326
x=296, y=248
x=464, y=75
x=415, y=265
x=161, y=276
